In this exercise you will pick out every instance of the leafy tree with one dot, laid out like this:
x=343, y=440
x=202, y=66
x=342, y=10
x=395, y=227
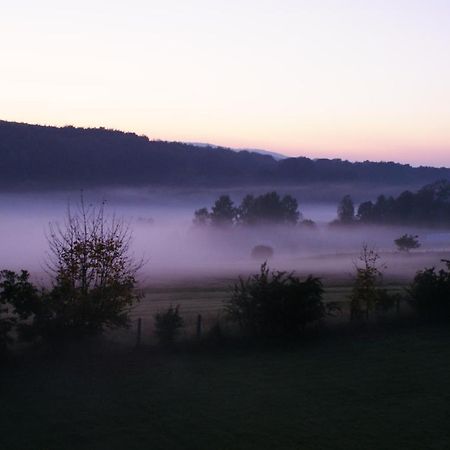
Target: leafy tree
x=268, y=208
x=93, y=274
x=367, y=296
x=18, y=299
x=223, y=212
x=168, y=325
x=346, y=210
x=202, y=217
x=429, y=293
x=407, y=242
x=275, y=303
x=366, y=212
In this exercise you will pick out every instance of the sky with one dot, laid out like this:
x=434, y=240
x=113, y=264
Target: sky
x=350, y=79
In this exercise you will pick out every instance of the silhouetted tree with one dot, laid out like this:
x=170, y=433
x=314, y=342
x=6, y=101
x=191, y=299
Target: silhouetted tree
x=429, y=294
x=275, y=303
x=367, y=295
x=429, y=206
x=223, y=212
x=366, y=212
x=268, y=208
x=346, y=210
x=202, y=217
x=407, y=242
x=18, y=299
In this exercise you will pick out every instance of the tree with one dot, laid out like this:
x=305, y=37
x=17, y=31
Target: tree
x=93, y=278
x=407, y=242
x=365, y=212
x=275, y=303
x=18, y=299
x=202, y=217
x=429, y=206
x=346, y=210
x=429, y=293
x=223, y=212
x=268, y=208
x=366, y=294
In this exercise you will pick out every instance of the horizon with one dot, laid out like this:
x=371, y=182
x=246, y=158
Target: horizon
x=316, y=79
x=262, y=151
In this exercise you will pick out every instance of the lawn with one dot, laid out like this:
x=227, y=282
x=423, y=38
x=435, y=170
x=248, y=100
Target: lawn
x=387, y=390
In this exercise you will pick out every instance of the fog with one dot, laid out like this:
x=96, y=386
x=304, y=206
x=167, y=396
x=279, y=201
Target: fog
x=163, y=235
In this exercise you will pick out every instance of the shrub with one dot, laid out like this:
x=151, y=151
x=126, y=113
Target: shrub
x=18, y=299
x=168, y=325
x=407, y=242
x=429, y=294
x=275, y=303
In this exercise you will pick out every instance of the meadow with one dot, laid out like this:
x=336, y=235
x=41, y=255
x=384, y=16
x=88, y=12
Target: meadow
x=379, y=389
x=208, y=297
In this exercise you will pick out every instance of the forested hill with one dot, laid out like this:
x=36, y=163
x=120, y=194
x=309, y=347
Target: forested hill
x=33, y=156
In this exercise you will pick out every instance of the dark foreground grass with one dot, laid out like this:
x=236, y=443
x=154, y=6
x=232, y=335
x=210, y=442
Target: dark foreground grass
x=381, y=392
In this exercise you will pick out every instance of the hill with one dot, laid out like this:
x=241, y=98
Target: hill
x=35, y=156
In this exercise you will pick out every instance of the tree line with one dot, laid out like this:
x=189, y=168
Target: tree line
x=52, y=157
x=429, y=206
x=265, y=209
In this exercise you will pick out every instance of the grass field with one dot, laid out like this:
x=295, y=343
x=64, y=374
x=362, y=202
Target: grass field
x=206, y=297
x=389, y=390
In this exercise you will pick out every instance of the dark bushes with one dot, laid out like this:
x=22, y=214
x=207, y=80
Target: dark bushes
x=430, y=293
x=168, y=325
x=275, y=303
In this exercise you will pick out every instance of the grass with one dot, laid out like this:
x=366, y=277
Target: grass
x=385, y=391
x=208, y=299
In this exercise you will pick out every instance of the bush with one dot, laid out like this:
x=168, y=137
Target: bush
x=276, y=303
x=367, y=295
x=18, y=298
x=407, y=242
x=429, y=294
x=168, y=325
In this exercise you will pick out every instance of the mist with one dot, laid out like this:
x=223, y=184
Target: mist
x=173, y=249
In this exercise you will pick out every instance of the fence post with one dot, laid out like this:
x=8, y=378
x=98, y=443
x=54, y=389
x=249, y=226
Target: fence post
x=199, y=326
x=139, y=332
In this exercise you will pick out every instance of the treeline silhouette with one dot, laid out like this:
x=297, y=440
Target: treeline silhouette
x=34, y=156
x=430, y=205
x=265, y=209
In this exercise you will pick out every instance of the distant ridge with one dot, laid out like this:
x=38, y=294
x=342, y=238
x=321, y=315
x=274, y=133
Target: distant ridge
x=35, y=156
x=275, y=155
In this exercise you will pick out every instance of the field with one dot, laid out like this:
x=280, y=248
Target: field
x=381, y=387
x=206, y=297
x=388, y=390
